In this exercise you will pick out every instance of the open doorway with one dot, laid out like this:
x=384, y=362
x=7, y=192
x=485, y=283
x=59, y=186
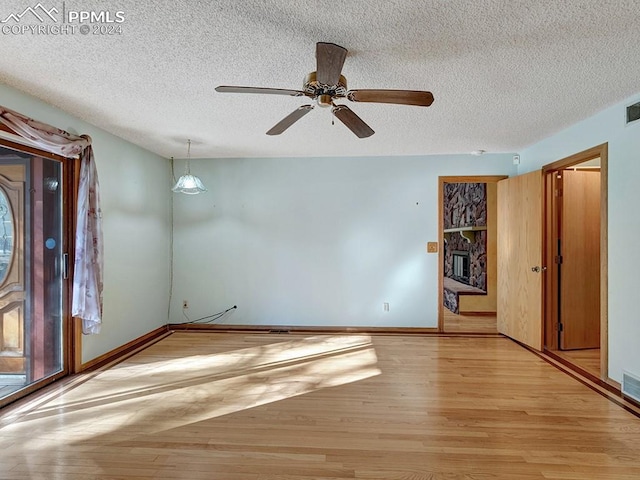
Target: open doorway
x=467, y=255
x=575, y=255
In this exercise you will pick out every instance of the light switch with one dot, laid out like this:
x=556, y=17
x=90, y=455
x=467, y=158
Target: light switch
x=432, y=247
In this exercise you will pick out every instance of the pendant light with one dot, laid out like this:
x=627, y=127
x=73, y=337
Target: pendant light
x=187, y=183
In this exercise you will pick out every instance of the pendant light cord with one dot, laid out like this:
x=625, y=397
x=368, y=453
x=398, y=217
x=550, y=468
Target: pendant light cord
x=188, y=163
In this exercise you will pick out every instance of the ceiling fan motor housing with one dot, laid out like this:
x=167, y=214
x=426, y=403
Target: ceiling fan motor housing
x=322, y=92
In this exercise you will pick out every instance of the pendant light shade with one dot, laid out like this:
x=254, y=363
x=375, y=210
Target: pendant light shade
x=187, y=183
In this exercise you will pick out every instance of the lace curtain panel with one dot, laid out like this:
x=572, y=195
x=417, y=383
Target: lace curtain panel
x=88, y=260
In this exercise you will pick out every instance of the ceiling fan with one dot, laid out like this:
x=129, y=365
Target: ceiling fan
x=327, y=84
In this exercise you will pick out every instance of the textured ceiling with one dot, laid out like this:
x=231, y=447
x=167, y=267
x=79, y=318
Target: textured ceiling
x=504, y=74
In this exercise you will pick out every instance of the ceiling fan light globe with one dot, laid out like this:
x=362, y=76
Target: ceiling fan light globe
x=325, y=101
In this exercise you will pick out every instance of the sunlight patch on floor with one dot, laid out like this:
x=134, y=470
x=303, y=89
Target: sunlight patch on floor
x=181, y=391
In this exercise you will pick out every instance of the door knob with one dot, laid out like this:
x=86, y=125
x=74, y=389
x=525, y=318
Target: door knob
x=535, y=269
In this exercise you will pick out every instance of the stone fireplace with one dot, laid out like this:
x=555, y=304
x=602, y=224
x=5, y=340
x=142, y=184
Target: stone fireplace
x=461, y=266
x=466, y=262
x=465, y=246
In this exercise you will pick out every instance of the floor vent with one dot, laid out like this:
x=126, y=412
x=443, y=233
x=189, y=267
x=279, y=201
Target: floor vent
x=631, y=386
x=278, y=331
x=633, y=112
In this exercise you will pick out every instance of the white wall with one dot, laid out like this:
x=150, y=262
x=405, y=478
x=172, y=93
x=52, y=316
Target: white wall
x=315, y=241
x=135, y=193
x=624, y=220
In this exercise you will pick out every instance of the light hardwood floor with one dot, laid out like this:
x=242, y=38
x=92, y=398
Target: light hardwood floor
x=288, y=407
x=588, y=359
x=454, y=323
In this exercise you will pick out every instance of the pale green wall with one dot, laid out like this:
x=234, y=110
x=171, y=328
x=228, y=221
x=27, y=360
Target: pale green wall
x=135, y=193
x=609, y=127
x=316, y=241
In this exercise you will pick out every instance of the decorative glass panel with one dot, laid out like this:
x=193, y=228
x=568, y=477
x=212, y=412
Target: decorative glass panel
x=6, y=236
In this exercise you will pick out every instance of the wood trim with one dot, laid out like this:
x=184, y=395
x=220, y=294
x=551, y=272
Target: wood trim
x=75, y=333
x=182, y=327
x=27, y=392
x=586, y=155
x=550, y=279
x=541, y=239
x=604, y=261
x=471, y=178
x=118, y=354
x=72, y=337
x=478, y=314
x=608, y=389
x=581, y=371
x=441, y=181
x=27, y=149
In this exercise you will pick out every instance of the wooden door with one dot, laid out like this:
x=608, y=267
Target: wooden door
x=12, y=279
x=580, y=253
x=520, y=269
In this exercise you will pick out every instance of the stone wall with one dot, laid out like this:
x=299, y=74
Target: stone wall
x=477, y=257
x=465, y=205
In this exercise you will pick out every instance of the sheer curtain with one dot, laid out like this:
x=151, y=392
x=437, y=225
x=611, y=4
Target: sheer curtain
x=88, y=263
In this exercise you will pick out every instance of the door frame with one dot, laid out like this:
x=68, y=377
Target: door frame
x=441, y=181
x=550, y=279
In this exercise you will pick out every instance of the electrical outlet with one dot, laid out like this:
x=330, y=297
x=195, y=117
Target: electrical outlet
x=432, y=247
x=185, y=304
x=385, y=305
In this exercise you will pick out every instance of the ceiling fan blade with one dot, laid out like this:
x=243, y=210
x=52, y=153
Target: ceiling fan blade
x=268, y=91
x=329, y=59
x=290, y=119
x=399, y=97
x=352, y=121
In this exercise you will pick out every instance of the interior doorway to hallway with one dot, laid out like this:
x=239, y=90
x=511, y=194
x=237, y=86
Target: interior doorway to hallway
x=575, y=255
